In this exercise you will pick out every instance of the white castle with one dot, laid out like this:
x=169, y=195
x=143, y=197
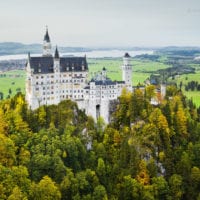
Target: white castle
x=51, y=79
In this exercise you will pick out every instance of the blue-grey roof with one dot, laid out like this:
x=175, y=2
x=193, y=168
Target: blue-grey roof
x=104, y=82
x=44, y=64
x=120, y=82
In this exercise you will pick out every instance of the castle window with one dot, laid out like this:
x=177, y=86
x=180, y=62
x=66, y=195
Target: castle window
x=52, y=76
x=36, y=83
x=42, y=76
x=36, y=77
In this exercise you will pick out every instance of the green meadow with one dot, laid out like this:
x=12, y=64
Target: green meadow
x=141, y=69
x=194, y=95
x=13, y=81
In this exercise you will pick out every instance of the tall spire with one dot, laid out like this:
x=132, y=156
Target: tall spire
x=46, y=36
x=56, y=53
x=46, y=44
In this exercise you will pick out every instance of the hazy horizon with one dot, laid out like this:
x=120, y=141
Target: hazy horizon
x=106, y=23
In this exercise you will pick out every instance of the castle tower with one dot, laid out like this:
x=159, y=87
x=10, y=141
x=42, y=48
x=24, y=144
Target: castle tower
x=56, y=69
x=46, y=44
x=127, y=71
x=163, y=90
x=56, y=61
x=104, y=74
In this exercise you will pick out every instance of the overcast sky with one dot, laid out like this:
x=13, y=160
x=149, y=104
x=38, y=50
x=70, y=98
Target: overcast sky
x=102, y=22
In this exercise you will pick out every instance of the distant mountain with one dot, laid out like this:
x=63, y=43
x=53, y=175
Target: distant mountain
x=9, y=48
x=12, y=48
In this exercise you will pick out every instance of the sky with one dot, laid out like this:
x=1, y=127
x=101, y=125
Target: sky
x=102, y=23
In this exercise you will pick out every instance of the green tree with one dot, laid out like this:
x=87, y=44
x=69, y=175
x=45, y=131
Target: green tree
x=100, y=193
x=161, y=188
x=175, y=183
x=7, y=149
x=17, y=195
x=45, y=189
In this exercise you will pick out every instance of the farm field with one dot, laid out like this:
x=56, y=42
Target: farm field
x=141, y=69
x=13, y=81
x=194, y=95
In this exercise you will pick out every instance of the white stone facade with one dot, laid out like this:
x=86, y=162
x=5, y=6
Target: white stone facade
x=51, y=79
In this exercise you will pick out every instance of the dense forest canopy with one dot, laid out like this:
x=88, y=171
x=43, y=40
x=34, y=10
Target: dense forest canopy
x=57, y=152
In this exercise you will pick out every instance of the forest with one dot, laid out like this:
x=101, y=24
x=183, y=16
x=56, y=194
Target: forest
x=57, y=152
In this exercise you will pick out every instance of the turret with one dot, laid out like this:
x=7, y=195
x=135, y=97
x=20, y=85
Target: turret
x=126, y=59
x=56, y=61
x=127, y=71
x=46, y=44
x=104, y=74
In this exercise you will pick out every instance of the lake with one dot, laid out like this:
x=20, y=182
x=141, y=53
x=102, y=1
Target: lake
x=90, y=54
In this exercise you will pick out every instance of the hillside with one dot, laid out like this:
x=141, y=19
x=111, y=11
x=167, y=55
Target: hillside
x=9, y=48
x=57, y=152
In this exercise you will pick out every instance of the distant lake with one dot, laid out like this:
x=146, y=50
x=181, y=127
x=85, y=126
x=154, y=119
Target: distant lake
x=90, y=54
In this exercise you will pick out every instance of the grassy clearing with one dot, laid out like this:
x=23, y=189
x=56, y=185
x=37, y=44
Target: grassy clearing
x=194, y=95
x=12, y=80
x=141, y=69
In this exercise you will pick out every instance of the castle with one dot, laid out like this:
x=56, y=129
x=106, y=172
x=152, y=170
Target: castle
x=51, y=79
